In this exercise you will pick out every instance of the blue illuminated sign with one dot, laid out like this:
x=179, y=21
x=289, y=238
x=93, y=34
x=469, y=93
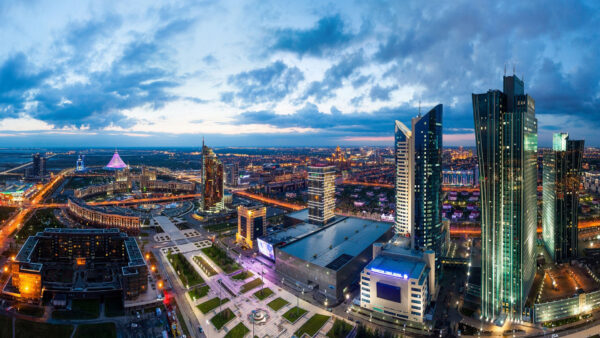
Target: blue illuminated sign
x=390, y=273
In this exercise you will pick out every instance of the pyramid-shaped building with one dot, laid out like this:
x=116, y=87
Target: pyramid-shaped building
x=116, y=162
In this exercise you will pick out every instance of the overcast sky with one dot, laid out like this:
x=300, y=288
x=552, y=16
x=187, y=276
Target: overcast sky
x=285, y=73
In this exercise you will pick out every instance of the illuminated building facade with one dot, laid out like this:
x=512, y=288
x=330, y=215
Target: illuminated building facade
x=418, y=155
x=54, y=261
x=321, y=194
x=561, y=181
x=404, y=150
x=398, y=282
x=100, y=217
x=233, y=174
x=212, y=181
x=252, y=223
x=506, y=137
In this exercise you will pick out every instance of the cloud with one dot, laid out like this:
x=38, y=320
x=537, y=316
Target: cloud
x=379, y=93
x=17, y=79
x=270, y=83
x=334, y=77
x=328, y=33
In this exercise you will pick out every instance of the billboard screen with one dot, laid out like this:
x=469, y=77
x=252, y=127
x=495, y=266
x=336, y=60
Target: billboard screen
x=266, y=249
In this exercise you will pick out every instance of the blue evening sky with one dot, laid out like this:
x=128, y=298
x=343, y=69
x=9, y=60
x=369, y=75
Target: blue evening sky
x=285, y=73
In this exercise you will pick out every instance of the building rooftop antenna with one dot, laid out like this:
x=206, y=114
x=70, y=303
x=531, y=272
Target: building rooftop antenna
x=419, y=107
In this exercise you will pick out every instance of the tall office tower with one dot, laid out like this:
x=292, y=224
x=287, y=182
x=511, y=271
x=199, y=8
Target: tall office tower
x=561, y=180
x=211, y=199
x=419, y=183
x=252, y=223
x=427, y=217
x=43, y=171
x=37, y=164
x=321, y=194
x=232, y=174
x=506, y=137
x=404, y=149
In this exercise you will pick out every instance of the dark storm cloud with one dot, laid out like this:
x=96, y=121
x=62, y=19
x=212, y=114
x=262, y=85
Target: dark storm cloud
x=270, y=83
x=329, y=32
x=334, y=77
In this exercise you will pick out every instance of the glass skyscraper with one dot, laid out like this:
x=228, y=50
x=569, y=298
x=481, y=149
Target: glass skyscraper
x=321, y=194
x=419, y=183
x=212, y=181
x=561, y=180
x=506, y=140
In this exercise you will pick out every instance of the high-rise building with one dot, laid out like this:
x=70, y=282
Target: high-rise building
x=80, y=163
x=404, y=154
x=43, y=170
x=506, y=137
x=321, y=194
x=561, y=180
x=252, y=223
x=211, y=199
x=419, y=183
x=232, y=174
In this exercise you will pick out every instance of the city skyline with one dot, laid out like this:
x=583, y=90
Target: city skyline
x=318, y=75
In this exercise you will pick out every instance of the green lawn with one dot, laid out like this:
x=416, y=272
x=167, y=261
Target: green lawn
x=293, y=314
x=28, y=329
x=278, y=303
x=251, y=285
x=186, y=272
x=101, y=330
x=208, y=270
x=222, y=318
x=238, y=331
x=243, y=275
x=209, y=305
x=339, y=329
x=220, y=258
x=312, y=325
x=5, y=326
x=80, y=309
x=40, y=220
x=33, y=311
x=263, y=293
x=113, y=307
x=199, y=292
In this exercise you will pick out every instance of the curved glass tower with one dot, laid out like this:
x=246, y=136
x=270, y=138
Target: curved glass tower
x=506, y=139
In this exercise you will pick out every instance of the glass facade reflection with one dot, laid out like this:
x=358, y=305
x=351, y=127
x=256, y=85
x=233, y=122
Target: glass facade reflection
x=212, y=181
x=506, y=137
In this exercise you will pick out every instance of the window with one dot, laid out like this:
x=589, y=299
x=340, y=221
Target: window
x=415, y=301
x=414, y=295
x=366, y=300
x=415, y=289
x=415, y=313
x=365, y=283
x=366, y=289
x=415, y=307
x=388, y=292
x=366, y=278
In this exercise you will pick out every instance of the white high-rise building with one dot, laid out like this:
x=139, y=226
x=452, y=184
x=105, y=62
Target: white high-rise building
x=404, y=151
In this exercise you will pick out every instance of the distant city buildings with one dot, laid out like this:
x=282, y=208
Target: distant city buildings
x=212, y=194
x=506, y=139
x=252, y=223
x=232, y=174
x=80, y=165
x=321, y=194
x=561, y=182
x=419, y=183
x=398, y=282
x=38, y=168
x=461, y=178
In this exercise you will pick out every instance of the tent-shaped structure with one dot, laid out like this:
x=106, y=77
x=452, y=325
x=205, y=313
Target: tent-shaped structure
x=116, y=162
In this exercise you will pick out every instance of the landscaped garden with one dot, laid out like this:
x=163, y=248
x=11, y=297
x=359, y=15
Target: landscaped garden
x=199, y=292
x=238, y=331
x=186, y=272
x=293, y=314
x=211, y=304
x=339, y=329
x=80, y=309
x=220, y=258
x=222, y=318
x=208, y=270
x=313, y=325
x=263, y=293
x=29, y=329
x=243, y=275
x=277, y=303
x=251, y=285
x=40, y=220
